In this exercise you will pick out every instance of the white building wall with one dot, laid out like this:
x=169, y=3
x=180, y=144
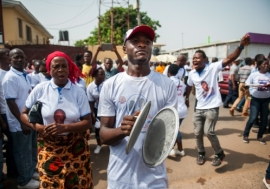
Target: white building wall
x=222, y=51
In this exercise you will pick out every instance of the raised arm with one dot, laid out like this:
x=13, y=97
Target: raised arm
x=119, y=58
x=230, y=58
x=94, y=60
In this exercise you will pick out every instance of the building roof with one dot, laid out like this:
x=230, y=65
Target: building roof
x=254, y=38
x=18, y=6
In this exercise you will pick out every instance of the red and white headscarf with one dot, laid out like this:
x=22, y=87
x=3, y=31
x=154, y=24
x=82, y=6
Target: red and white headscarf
x=74, y=72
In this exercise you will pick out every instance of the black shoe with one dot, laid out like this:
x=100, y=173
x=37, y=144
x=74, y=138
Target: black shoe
x=245, y=139
x=226, y=106
x=201, y=159
x=261, y=141
x=238, y=109
x=218, y=159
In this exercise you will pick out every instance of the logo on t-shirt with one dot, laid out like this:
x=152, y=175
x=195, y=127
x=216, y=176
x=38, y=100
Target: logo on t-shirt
x=263, y=82
x=135, y=103
x=122, y=99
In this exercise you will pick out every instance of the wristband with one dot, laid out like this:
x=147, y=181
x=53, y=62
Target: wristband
x=241, y=47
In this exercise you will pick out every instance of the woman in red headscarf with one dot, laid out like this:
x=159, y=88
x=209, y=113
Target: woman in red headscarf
x=63, y=151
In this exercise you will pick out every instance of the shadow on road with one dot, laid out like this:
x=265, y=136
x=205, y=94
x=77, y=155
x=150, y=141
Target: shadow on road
x=236, y=160
x=230, y=118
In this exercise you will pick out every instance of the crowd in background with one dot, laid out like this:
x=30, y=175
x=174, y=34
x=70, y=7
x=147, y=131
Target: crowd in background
x=25, y=83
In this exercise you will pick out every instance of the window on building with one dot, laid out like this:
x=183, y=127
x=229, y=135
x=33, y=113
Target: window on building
x=37, y=39
x=20, y=28
x=28, y=34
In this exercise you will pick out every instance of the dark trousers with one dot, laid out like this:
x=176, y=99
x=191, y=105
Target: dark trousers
x=11, y=165
x=233, y=94
x=258, y=105
x=267, y=176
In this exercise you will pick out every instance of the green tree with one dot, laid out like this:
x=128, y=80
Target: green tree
x=120, y=23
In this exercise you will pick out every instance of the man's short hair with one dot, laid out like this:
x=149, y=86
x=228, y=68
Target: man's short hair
x=248, y=61
x=202, y=52
x=173, y=69
x=214, y=59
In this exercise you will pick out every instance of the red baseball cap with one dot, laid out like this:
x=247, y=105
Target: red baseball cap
x=142, y=28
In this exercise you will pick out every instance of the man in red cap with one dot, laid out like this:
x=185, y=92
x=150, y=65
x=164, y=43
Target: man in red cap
x=123, y=95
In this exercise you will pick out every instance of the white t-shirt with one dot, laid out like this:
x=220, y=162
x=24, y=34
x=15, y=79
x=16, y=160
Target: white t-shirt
x=3, y=104
x=69, y=102
x=38, y=78
x=187, y=68
x=181, y=89
x=81, y=84
x=123, y=95
x=93, y=92
x=209, y=96
x=259, y=78
x=180, y=74
x=16, y=86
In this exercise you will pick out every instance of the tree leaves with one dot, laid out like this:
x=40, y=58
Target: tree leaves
x=120, y=24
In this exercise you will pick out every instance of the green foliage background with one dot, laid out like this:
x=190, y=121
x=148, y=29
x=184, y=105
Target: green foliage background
x=120, y=26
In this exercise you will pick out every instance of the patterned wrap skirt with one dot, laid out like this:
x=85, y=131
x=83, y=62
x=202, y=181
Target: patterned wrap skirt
x=65, y=163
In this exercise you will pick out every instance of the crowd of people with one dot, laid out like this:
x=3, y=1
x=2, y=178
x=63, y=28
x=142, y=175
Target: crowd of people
x=48, y=110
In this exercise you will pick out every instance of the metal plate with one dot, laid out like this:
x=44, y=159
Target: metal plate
x=160, y=136
x=137, y=127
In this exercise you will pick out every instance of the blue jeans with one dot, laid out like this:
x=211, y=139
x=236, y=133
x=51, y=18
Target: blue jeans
x=179, y=135
x=10, y=161
x=232, y=95
x=25, y=154
x=257, y=105
x=241, y=103
x=267, y=176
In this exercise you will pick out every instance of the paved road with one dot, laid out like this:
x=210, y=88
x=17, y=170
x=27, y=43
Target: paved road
x=243, y=167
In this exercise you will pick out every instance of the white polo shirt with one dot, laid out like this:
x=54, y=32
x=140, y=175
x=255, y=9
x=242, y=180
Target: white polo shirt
x=3, y=104
x=81, y=84
x=180, y=74
x=38, y=78
x=93, y=92
x=16, y=85
x=209, y=97
x=70, y=99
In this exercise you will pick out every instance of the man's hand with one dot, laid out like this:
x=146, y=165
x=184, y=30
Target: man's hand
x=99, y=48
x=234, y=87
x=26, y=130
x=114, y=49
x=127, y=124
x=187, y=103
x=4, y=126
x=245, y=40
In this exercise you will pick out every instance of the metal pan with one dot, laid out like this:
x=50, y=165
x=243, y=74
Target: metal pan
x=160, y=136
x=137, y=127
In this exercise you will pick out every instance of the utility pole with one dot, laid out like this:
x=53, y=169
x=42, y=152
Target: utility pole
x=99, y=36
x=128, y=22
x=112, y=28
x=138, y=13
